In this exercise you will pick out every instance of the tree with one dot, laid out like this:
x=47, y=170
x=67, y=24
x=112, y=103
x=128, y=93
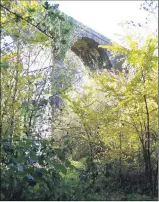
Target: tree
x=47, y=28
x=29, y=28
x=120, y=110
x=137, y=100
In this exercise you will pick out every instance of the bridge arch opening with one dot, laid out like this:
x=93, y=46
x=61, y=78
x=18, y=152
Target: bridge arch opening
x=93, y=57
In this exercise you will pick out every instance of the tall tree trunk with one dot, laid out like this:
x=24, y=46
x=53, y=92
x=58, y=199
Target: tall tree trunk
x=155, y=179
x=12, y=124
x=148, y=160
x=120, y=159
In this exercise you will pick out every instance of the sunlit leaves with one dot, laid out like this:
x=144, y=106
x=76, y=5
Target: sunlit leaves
x=121, y=115
x=130, y=98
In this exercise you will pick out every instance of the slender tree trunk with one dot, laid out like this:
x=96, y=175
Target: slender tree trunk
x=148, y=160
x=120, y=159
x=155, y=179
x=14, y=98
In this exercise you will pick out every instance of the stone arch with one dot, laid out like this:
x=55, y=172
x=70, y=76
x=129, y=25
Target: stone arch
x=93, y=57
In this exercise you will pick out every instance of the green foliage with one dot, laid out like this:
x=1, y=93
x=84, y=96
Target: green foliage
x=119, y=111
x=138, y=197
x=106, y=142
x=36, y=23
x=30, y=169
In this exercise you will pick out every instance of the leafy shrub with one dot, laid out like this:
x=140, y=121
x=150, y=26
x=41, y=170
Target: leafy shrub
x=31, y=171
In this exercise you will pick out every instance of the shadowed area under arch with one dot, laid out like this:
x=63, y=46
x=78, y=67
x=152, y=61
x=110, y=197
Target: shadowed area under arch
x=92, y=56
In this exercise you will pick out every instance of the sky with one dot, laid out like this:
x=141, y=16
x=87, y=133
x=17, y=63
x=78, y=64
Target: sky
x=105, y=16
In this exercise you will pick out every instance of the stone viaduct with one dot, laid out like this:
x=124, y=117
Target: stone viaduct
x=85, y=43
